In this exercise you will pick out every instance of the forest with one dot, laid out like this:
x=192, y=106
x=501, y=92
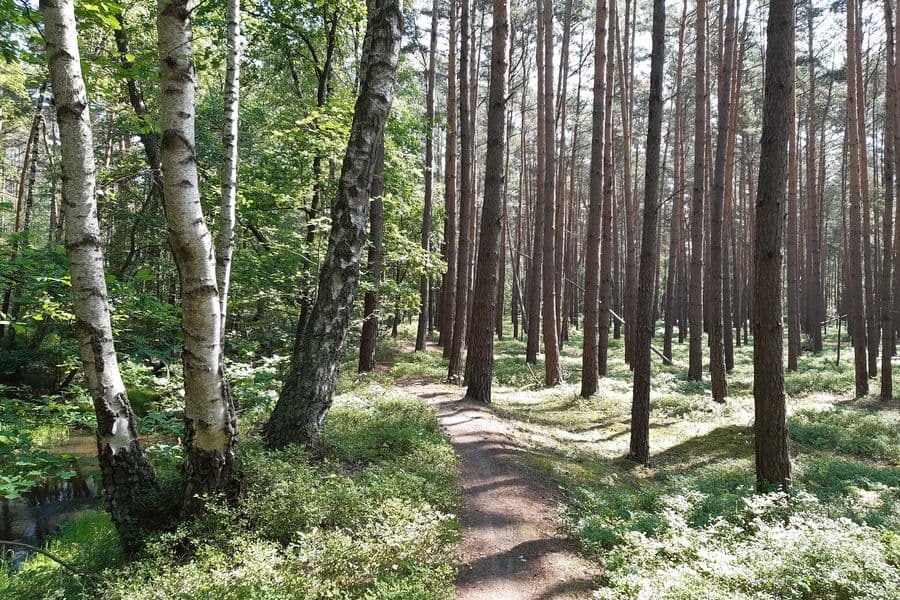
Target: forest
x=506, y=299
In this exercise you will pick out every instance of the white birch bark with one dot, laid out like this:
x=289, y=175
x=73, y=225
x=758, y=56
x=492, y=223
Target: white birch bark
x=122, y=463
x=209, y=416
x=227, y=216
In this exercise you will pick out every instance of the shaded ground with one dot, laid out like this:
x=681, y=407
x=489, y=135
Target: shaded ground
x=511, y=547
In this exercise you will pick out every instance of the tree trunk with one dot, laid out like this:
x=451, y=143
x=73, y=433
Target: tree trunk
x=465, y=206
x=308, y=389
x=422, y=330
x=793, y=251
x=480, y=358
x=717, y=205
x=773, y=463
x=552, y=372
x=677, y=199
x=124, y=469
x=607, y=240
x=590, y=359
x=535, y=274
x=643, y=326
x=695, y=364
x=369, y=336
x=857, y=319
x=210, y=423
x=227, y=216
x=814, y=297
x=890, y=101
x=448, y=287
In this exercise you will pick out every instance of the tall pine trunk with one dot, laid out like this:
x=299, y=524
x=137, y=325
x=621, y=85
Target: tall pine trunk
x=422, y=330
x=773, y=463
x=643, y=326
x=552, y=371
x=465, y=202
x=695, y=299
x=590, y=358
x=480, y=358
x=856, y=318
x=448, y=286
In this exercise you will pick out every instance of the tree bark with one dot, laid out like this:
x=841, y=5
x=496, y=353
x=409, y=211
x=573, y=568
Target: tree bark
x=643, y=327
x=302, y=407
x=890, y=101
x=227, y=215
x=124, y=469
x=695, y=364
x=448, y=286
x=210, y=422
x=773, y=463
x=793, y=251
x=552, y=371
x=535, y=273
x=857, y=319
x=454, y=372
x=717, y=205
x=677, y=218
x=814, y=297
x=607, y=248
x=590, y=358
x=369, y=336
x=422, y=330
x=480, y=357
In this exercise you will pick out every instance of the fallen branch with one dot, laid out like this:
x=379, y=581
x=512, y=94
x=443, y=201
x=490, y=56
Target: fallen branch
x=45, y=553
x=665, y=359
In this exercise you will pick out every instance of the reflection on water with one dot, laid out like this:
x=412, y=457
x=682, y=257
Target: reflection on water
x=32, y=518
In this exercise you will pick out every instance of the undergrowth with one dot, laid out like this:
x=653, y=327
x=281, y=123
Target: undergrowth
x=368, y=511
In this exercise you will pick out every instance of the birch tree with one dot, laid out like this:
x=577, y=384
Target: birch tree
x=124, y=469
x=309, y=386
x=225, y=239
x=210, y=426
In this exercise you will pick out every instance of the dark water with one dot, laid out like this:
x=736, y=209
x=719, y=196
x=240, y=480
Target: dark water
x=38, y=514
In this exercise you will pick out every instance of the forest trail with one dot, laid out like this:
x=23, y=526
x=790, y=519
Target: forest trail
x=511, y=547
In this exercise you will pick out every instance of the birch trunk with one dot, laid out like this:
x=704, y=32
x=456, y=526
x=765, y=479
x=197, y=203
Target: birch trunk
x=124, y=469
x=306, y=396
x=225, y=238
x=210, y=426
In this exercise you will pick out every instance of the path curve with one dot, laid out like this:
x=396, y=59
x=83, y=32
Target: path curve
x=511, y=548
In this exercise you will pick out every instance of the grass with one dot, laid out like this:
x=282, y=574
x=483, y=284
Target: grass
x=692, y=520
x=368, y=511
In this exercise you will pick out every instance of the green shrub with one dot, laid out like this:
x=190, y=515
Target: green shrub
x=365, y=513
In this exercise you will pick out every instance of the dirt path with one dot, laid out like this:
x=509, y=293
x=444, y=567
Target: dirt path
x=510, y=547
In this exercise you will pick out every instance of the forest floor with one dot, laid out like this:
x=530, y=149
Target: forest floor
x=512, y=546
x=546, y=483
